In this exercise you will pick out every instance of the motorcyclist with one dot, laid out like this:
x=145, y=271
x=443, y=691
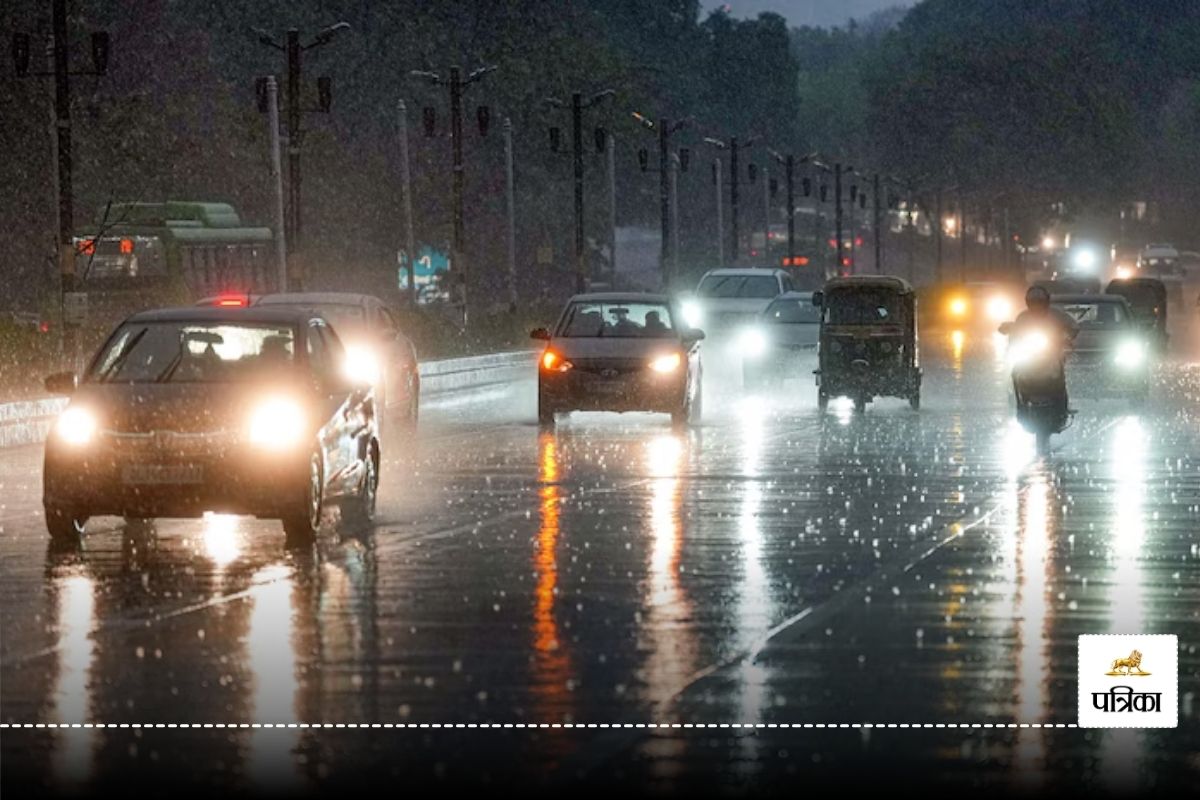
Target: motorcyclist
x=1060, y=326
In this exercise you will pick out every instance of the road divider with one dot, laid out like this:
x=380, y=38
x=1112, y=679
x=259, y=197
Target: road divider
x=27, y=422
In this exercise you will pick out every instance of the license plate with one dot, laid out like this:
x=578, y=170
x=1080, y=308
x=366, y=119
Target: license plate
x=608, y=387
x=162, y=474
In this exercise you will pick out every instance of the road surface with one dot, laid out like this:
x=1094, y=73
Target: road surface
x=771, y=566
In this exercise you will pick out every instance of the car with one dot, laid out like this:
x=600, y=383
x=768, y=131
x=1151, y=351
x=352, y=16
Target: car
x=375, y=345
x=193, y=410
x=787, y=330
x=727, y=300
x=620, y=352
x=1162, y=261
x=1111, y=353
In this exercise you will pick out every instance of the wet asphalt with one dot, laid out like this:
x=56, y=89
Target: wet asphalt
x=770, y=566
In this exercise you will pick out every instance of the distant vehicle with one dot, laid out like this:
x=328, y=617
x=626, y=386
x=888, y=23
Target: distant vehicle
x=1147, y=298
x=146, y=255
x=1111, y=354
x=1162, y=261
x=773, y=348
x=183, y=411
x=1065, y=284
x=868, y=344
x=982, y=304
x=726, y=300
x=376, y=348
x=620, y=352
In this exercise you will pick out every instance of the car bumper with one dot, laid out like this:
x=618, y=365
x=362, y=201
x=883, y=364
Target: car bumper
x=782, y=360
x=95, y=482
x=1096, y=378
x=632, y=391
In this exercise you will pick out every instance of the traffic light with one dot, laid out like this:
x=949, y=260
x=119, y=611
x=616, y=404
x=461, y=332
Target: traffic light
x=555, y=138
x=20, y=53
x=685, y=157
x=643, y=158
x=601, y=139
x=324, y=93
x=100, y=52
x=429, y=120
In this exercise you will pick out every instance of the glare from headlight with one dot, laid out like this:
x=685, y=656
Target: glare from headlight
x=1130, y=354
x=693, y=313
x=76, y=426
x=1084, y=260
x=999, y=309
x=753, y=343
x=1027, y=348
x=958, y=306
x=1124, y=273
x=361, y=365
x=667, y=363
x=276, y=423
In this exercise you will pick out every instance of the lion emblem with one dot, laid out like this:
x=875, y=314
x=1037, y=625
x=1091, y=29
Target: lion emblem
x=1128, y=666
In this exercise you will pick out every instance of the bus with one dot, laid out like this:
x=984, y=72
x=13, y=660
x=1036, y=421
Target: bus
x=144, y=255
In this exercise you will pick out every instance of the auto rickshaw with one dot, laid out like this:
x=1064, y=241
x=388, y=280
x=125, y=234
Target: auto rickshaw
x=1147, y=299
x=868, y=341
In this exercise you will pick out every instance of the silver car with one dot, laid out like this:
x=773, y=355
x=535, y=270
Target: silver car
x=774, y=347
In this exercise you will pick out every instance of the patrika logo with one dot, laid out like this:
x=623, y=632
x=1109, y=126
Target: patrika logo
x=1127, y=666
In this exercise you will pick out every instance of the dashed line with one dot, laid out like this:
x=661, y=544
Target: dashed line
x=534, y=725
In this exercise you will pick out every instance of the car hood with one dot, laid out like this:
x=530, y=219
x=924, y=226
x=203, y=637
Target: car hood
x=1102, y=338
x=182, y=407
x=614, y=348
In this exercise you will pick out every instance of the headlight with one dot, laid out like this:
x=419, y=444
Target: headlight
x=753, y=343
x=276, y=424
x=999, y=309
x=361, y=365
x=1124, y=273
x=553, y=362
x=958, y=307
x=667, y=363
x=1028, y=347
x=76, y=426
x=693, y=313
x=1130, y=354
x=1084, y=260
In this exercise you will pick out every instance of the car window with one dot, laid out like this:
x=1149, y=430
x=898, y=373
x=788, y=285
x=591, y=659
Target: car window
x=792, y=311
x=192, y=352
x=616, y=320
x=739, y=286
x=1097, y=314
x=862, y=307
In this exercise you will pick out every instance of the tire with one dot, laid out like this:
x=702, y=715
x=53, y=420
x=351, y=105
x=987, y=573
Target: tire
x=545, y=411
x=359, y=511
x=65, y=525
x=1043, y=442
x=822, y=400
x=302, y=523
x=860, y=404
x=914, y=400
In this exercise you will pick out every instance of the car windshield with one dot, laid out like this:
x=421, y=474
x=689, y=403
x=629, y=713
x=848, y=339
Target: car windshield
x=862, y=307
x=792, y=311
x=342, y=316
x=1141, y=298
x=193, y=352
x=616, y=320
x=760, y=287
x=1096, y=314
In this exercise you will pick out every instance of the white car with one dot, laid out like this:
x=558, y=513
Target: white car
x=728, y=300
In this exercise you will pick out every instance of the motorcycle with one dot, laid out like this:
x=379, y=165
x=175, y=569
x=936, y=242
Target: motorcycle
x=1038, y=359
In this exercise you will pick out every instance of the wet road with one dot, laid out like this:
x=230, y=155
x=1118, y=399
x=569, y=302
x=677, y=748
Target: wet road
x=771, y=566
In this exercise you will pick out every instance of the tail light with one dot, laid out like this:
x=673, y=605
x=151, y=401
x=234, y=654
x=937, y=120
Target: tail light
x=553, y=362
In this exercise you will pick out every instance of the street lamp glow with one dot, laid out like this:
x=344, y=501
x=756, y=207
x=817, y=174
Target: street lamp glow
x=1084, y=260
x=1048, y=243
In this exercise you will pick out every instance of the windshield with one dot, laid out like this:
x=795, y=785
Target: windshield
x=862, y=307
x=1141, y=298
x=616, y=320
x=192, y=352
x=342, y=316
x=792, y=311
x=1095, y=314
x=761, y=287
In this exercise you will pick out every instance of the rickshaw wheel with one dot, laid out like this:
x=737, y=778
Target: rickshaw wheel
x=860, y=404
x=914, y=401
x=822, y=400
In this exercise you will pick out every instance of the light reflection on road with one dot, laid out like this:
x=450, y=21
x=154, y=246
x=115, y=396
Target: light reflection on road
x=74, y=595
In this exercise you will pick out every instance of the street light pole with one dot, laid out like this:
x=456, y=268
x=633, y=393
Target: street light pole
x=277, y=183
x=611, y=158
x=674, y=170
x=789, y=171
x=410, y=244
x=937, y=239
x=766, y=183
x=578, y=106
x=837, y=214
x=664, y=201
x=510, y=208
x=877, y=224
x=733, y=196
x=720, y=213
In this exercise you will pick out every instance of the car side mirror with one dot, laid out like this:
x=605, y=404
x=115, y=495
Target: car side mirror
x=692, y=335
x=818, y=299
x=540, y=333
x=1006, y=328
x=62, y=383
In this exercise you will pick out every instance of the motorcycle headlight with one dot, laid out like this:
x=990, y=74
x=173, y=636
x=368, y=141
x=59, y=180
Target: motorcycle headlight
x=276, y=423
x=361, y=365
x=1130, y=354
x=1028, y=347
x=76, y=426
x=667, y=363
x=753, y=343
x=957, y=306
x=693, y=313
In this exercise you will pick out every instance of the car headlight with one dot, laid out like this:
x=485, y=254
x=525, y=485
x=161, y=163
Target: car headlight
x=1130, y=353
x=553, y=362
x=957, y=306
x=361, y=365
x=693, y=313
x=753, y=343
x=667, y=363
x=276, y=423
x=1084, y=260
x=1124, y=272
x=76, y=426
x=999, y=309
x=1028, y=347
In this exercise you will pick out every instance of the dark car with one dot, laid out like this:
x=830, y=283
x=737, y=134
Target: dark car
x=620, y=352
x=184, y=411
x=1147, y=299
x=376, y=348
x=1111, y=354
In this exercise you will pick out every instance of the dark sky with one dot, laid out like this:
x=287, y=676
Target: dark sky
x=825, y=13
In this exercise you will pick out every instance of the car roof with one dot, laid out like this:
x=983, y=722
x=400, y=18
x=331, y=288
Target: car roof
x=283, y=316
x=314, y=298
x=793, y=296
x=868, y=281
x=1086, y=299
x=744, y=271
x=620, y=297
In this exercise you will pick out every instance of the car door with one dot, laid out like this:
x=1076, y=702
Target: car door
x=393, y=364
x=334, y=403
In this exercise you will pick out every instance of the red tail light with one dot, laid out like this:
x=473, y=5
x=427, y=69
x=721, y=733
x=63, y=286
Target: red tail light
x=233, y=301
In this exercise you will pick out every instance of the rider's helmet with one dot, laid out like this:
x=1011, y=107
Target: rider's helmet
x=1037, y=298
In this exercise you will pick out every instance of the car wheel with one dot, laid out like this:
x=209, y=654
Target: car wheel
x=360, y=511
x=302, y=522
x=860, y=404
x=65, y=525
x=545, y=411
x=822, y=400
x=914, y=400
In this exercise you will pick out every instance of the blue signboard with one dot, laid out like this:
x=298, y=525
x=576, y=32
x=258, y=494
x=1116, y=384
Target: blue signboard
x=430, y=264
